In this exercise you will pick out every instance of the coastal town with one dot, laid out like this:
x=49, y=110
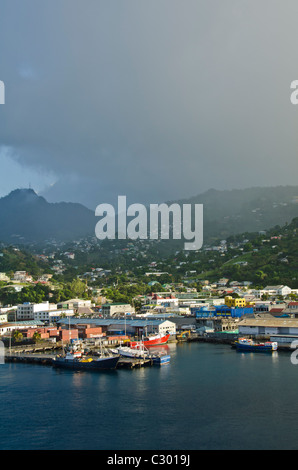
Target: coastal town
x=116, y=293
x=148, y=235
x=220, y=313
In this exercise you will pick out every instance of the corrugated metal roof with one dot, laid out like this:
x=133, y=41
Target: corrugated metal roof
x=23, y=323
x=107, y=322
x=270, y=322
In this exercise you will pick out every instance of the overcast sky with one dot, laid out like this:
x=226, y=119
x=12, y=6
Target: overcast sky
x=152, y=99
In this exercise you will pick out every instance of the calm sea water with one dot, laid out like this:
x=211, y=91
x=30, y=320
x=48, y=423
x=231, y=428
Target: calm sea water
x=208, y=397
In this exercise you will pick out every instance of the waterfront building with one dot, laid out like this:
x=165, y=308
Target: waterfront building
x=268, y=326
x=217, y=324
x=8, y=328
x=135, y=327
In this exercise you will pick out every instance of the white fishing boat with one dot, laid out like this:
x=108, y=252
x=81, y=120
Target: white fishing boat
x=126, y=351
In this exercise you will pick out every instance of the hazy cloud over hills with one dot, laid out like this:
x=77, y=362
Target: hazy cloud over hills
x=26, y=217
x=155, y=100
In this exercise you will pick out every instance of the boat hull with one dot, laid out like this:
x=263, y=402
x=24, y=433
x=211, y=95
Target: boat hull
x=106, y=363
x=155, y=341
x=161, y=360
x=255, y=348
x=132, y=352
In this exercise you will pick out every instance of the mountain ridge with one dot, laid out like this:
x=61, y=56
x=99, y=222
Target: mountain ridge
x=27, y=217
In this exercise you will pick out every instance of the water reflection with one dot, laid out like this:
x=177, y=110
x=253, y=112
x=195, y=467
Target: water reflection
x=275, y=356
x=208, y=397
x=163, y=348
x=78, y=379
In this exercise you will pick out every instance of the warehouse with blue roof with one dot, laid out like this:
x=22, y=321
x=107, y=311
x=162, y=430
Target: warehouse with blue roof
x=222, y=311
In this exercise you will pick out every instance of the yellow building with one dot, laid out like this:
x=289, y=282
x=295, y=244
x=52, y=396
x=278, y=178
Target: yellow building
x=231, y=302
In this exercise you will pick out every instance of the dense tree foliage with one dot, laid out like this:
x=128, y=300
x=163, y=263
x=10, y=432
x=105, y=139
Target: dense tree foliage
x=130, y=269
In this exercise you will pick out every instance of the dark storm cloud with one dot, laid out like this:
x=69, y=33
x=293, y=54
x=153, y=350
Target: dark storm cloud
x=152, y=99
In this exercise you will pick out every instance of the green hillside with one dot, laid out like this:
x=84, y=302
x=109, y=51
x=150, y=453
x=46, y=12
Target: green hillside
x=266, y=259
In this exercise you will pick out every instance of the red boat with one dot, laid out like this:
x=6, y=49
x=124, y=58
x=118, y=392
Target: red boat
x=152, y=340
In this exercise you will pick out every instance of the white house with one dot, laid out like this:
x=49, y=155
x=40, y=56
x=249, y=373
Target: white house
x=22, y=276
x=27, y=310
x=293, y=306
x=74, y=303
x=277, y=290
x=117, y=309
x=3, y=317
x=272, y=291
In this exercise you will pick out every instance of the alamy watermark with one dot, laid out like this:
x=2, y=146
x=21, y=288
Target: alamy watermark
x=157, y=221
x=294, y=94
x=2, y=92
x=294, y=354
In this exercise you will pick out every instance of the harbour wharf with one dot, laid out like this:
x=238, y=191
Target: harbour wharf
x=47, y=359
x=44, y=359
x=132, y=362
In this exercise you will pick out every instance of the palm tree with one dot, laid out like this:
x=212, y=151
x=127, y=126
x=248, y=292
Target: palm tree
x=36, y=336
x=17, y=336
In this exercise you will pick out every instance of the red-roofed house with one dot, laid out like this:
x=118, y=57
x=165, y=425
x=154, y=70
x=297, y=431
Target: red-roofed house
x=293, y=305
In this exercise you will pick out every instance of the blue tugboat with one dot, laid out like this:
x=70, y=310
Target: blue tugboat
x=161, y=359
x=244, y=344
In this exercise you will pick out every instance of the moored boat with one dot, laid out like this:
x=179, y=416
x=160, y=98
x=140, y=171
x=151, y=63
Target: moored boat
x=151, y=340
x=71, y=361
x=156, y=358
x=126, y=351
x=245, y=344
x=161, y=359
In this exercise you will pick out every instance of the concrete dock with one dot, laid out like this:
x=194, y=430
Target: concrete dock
x=46, y=359
x=29, y=358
